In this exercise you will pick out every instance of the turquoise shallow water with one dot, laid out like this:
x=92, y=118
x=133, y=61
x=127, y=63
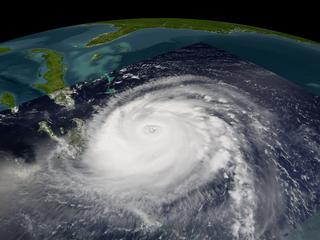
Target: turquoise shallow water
x=297, y=62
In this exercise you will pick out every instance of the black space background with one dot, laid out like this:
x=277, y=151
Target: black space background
x=18, y=19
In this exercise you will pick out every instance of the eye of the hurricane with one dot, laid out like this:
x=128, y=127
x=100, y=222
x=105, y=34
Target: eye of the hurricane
x=152, y=129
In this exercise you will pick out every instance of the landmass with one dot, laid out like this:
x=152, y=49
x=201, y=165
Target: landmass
x=127, y=26
x=4, y=49
x=73, y=135
x=55, y=74
x=8, y=100
x=45, y=127
x=63, y=97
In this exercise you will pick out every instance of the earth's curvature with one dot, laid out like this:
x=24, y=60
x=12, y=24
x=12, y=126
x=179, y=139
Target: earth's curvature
x=160, y=129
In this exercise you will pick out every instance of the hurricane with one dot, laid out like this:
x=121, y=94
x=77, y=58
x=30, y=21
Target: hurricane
x=171, y=149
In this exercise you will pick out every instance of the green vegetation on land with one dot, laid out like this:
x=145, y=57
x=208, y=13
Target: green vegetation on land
x=127, y=26
x=4, y=49
x=55, y=73
x=7, y=99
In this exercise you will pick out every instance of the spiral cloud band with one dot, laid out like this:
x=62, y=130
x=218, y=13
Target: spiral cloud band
x=174, y=145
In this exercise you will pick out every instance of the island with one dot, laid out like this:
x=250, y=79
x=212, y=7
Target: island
x=55, y=73
x=5, y=50
x=127, y=26
x=7, y=99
